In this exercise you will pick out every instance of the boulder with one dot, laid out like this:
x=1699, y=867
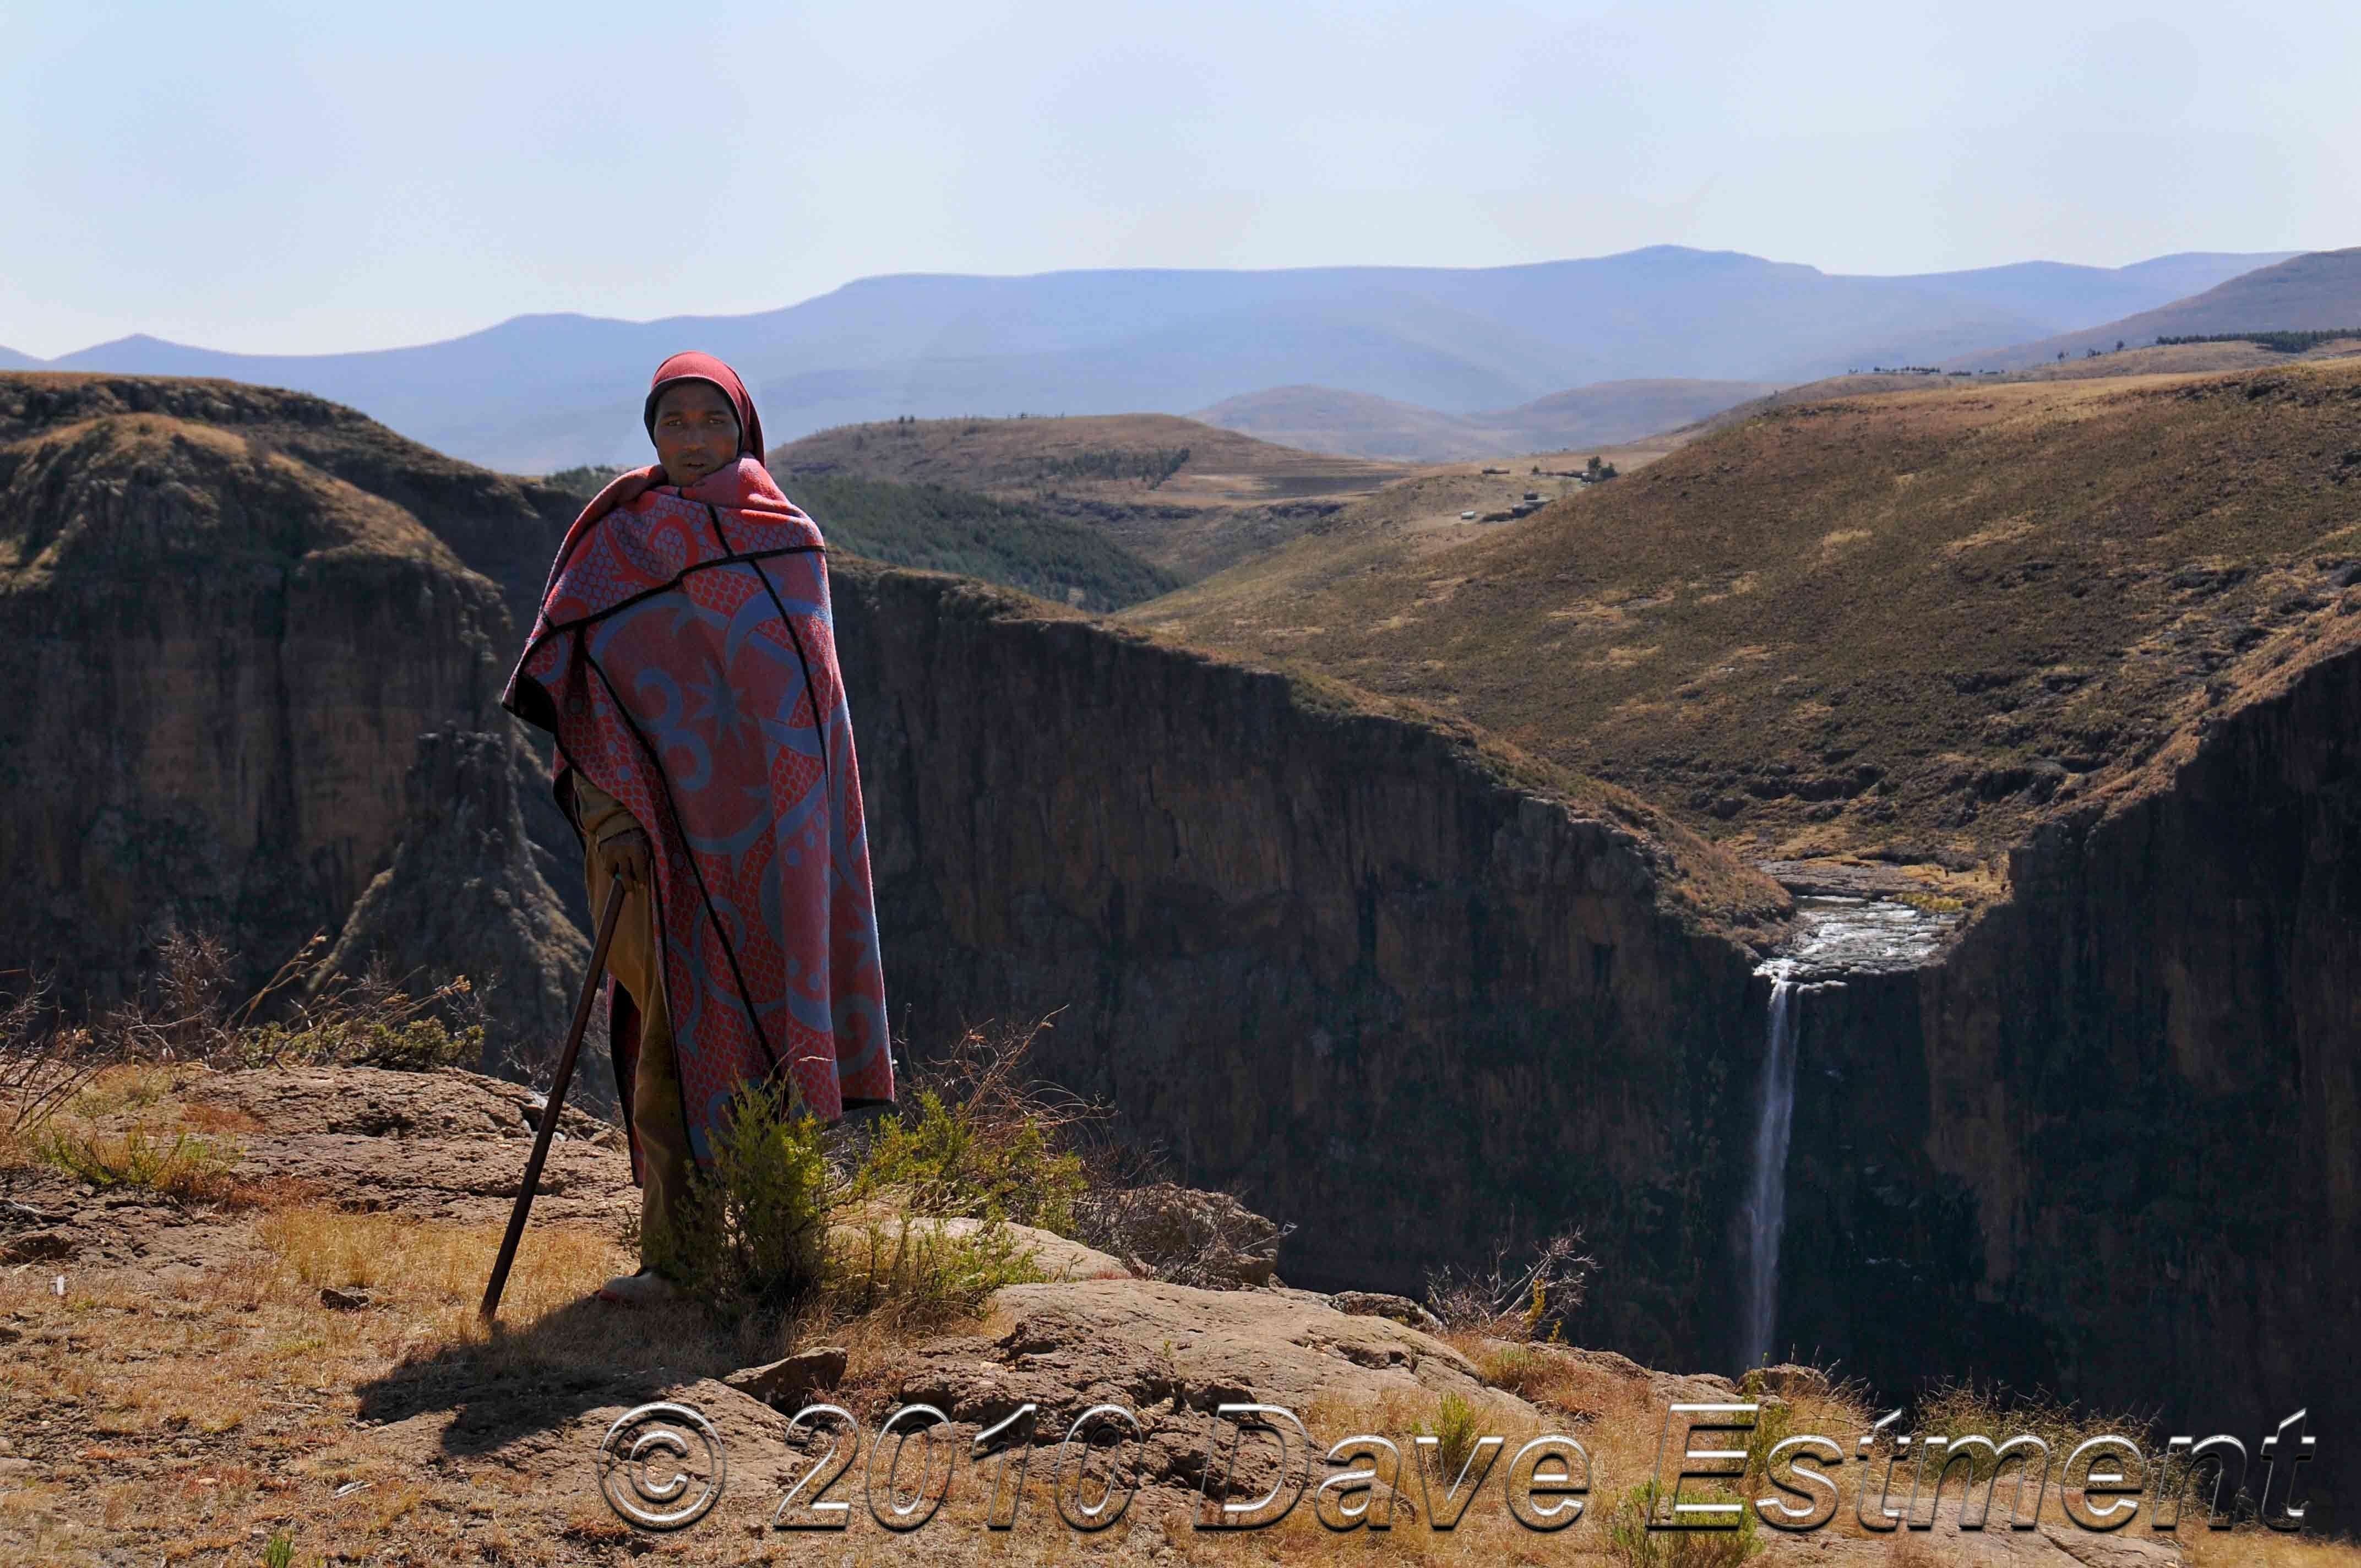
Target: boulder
x=1377, y=1304
x=1186, y=1237
x=787, y=1384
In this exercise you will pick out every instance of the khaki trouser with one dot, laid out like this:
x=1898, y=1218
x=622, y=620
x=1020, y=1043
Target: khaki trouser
x=635, y=959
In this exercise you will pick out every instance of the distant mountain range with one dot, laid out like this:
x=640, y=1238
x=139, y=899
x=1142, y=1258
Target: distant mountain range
x=2319, y=292
x=537, y=393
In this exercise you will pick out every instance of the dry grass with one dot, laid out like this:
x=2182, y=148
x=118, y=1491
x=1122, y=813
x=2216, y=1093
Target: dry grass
x=188, y=1169
x=194, y=1423
x=2006, y=580
x=200, y=1418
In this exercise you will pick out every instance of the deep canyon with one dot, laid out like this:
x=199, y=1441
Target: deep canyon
x=1405, y=987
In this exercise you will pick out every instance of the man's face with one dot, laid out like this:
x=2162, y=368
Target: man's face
x=697, y=431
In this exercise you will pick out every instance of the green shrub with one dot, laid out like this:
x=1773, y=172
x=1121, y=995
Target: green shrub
x=752, y=1234
x=951, y=1163
x=1631, y=1544
x=407, y=1045
x=190, y=1169
x=1455, y=1430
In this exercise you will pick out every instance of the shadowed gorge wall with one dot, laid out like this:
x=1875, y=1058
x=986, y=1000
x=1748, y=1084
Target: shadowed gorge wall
x=2112, y=1145
x=223, y=662
x=1331, y=957
x=229, y=631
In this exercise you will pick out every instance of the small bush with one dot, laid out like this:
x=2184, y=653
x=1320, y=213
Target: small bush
x=190, y=1169
x=946, y=1164
x=370, y=1020
x=1510, y=1303
x=42, y=1064
x=982, y=1144
x=753, y=1231
x=1631, y=1544
x=1455, y=1430
x=405, y=1045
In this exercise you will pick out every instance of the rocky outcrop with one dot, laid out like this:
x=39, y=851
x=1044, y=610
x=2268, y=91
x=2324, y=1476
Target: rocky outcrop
x=447, y=1145
x=231, y=614
x=223, y=660
x=464, y=882
x=2107, y=1144
x=1408, y=992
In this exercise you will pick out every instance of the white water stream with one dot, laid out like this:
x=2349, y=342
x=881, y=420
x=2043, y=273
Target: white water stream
x=1766, y=1202
x=1835, y=936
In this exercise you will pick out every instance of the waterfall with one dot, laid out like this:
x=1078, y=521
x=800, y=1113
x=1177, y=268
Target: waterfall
x=1766, y=1204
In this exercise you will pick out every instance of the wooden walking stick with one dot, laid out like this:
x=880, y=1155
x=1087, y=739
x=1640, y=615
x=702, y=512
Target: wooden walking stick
x=558, y=1088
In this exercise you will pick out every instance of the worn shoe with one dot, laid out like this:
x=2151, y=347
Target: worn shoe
x=640, y=1289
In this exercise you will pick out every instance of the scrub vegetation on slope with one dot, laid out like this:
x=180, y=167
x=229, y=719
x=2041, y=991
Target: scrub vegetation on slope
x=1187, y=496
x=1908, y=623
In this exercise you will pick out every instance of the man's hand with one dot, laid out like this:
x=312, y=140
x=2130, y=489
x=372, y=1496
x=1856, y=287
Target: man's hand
x=626, y=857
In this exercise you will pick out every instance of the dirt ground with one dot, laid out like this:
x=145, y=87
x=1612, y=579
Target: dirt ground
x=290, y=1372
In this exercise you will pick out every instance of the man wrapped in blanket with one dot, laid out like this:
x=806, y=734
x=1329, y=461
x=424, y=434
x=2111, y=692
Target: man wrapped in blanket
x=685, y=659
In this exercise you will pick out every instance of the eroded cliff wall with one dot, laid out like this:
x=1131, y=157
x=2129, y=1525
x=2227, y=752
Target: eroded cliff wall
x=1349, y=962
x=220, y=665
x=225, y=649
x=2112, y=1145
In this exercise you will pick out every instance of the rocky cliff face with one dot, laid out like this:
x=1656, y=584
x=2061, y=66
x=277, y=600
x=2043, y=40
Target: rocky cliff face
x=2109, y=1144
x=1406, y=1000
x=1402, y=994
x=225, y=652
x=466, y=886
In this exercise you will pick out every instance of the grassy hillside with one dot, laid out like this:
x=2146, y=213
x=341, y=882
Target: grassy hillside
x=1112, y=457
x=1911, y=622
x=1612, y=411
x=1186, y=497
x=2321, y=290
x=2168, y=359
x=938, y=528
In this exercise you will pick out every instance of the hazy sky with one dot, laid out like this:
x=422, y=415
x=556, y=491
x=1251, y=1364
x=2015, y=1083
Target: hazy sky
x=293, y=177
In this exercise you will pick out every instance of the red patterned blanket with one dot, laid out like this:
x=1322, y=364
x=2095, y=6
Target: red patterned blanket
x=685, y=659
